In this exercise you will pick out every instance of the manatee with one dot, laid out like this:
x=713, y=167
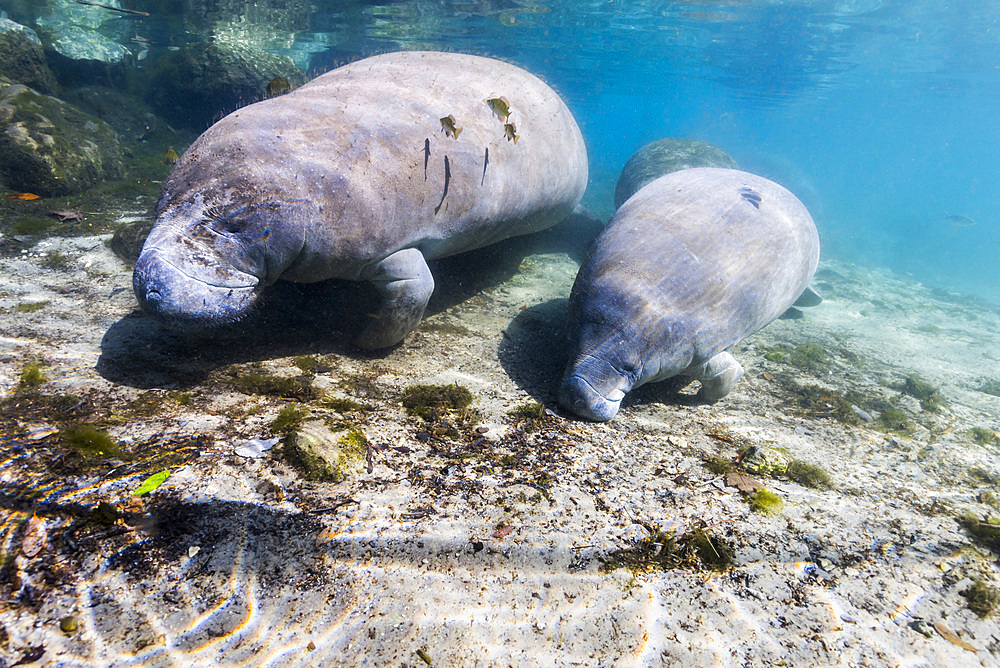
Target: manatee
x=664, y=156
x=359, y=175
x=691, y=264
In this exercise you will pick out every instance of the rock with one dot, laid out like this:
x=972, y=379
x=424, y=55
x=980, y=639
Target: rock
x=22, y=59
x=663, y=157
x=199, y=83
x=326, y=455
x=127, y=115
x=49, y=147
x=79, y=54
x=762, y=460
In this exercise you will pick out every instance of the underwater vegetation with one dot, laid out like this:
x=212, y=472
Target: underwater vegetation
x=985, y=532
x=665, y=550
x=90, y=442
x=765, y=502
x=256, y=381
x=984, y=436
x=31, y=378
x=929, y=396
x=808, y=475
x=981, y=598
x=30, y=307
x=808, y=357
x=431, y=402
x=289, y=419
x=990, y=387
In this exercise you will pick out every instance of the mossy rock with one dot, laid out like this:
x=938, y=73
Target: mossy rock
x=325, y=455
x=199, y=83
x=48, y=147
x=664, y=157
x=762, y=460
x=22, y=59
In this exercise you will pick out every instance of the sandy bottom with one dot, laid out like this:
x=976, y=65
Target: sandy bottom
x=483, y=541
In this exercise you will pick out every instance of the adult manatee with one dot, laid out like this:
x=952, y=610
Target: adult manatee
x=663, y=156
x=688, y=266
x=361, y=174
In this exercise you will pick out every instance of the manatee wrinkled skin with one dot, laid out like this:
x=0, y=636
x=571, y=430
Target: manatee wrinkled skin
x=691, y=264
x=353, y=176
x=664, y=156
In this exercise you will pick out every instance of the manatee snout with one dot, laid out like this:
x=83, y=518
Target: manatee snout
x=593, y=389
x=180, y=299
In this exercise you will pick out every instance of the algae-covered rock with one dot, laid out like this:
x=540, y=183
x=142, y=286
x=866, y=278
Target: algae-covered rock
x=199, y=83
x=663, y=157
x=326, y=455
x=22, y=59
x=48, y=147
x=762, y=460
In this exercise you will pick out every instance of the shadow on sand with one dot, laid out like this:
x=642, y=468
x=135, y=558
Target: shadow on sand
x=316, y=318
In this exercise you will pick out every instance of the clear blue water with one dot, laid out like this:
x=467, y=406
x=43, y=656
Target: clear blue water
x=881, y=115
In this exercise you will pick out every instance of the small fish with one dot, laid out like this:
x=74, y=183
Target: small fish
x=447, y=179
x=500, y=107
x=66, y=215
x=510, y=132
x=959, y=220
x=448, y=125
x=27, y=197
x=427, y=155
x=277, y=86
x=486, y=161
x=170, y=157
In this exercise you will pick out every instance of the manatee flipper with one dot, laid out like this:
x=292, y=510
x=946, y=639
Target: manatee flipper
x=809, y=297
x=718, y=376
x=405, y=284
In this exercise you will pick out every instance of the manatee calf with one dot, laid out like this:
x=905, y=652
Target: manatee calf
x=688, y=266
x=361, y=174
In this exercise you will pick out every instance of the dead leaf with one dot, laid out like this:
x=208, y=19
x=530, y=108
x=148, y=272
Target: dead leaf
x=27, y=197
x=35, y=537
x=743, y=481
x=500, y=533
x=952, y=637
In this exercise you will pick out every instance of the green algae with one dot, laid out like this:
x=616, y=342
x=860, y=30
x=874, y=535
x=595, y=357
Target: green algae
x=894, y=420
x=808, y=475
x=31, y=378
x=30, y=307
x=808, y=357
x=289, y=419
x=529, y=411
x=984, y=532
x=431, y=402
x=55, y=260
x=765, y=502
x=984, y=436
x=718, y=465
x=981, y=598
x=929, y=396
x=89, y=441
x=990, y=387
x=255, y=381
x=665, y=550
